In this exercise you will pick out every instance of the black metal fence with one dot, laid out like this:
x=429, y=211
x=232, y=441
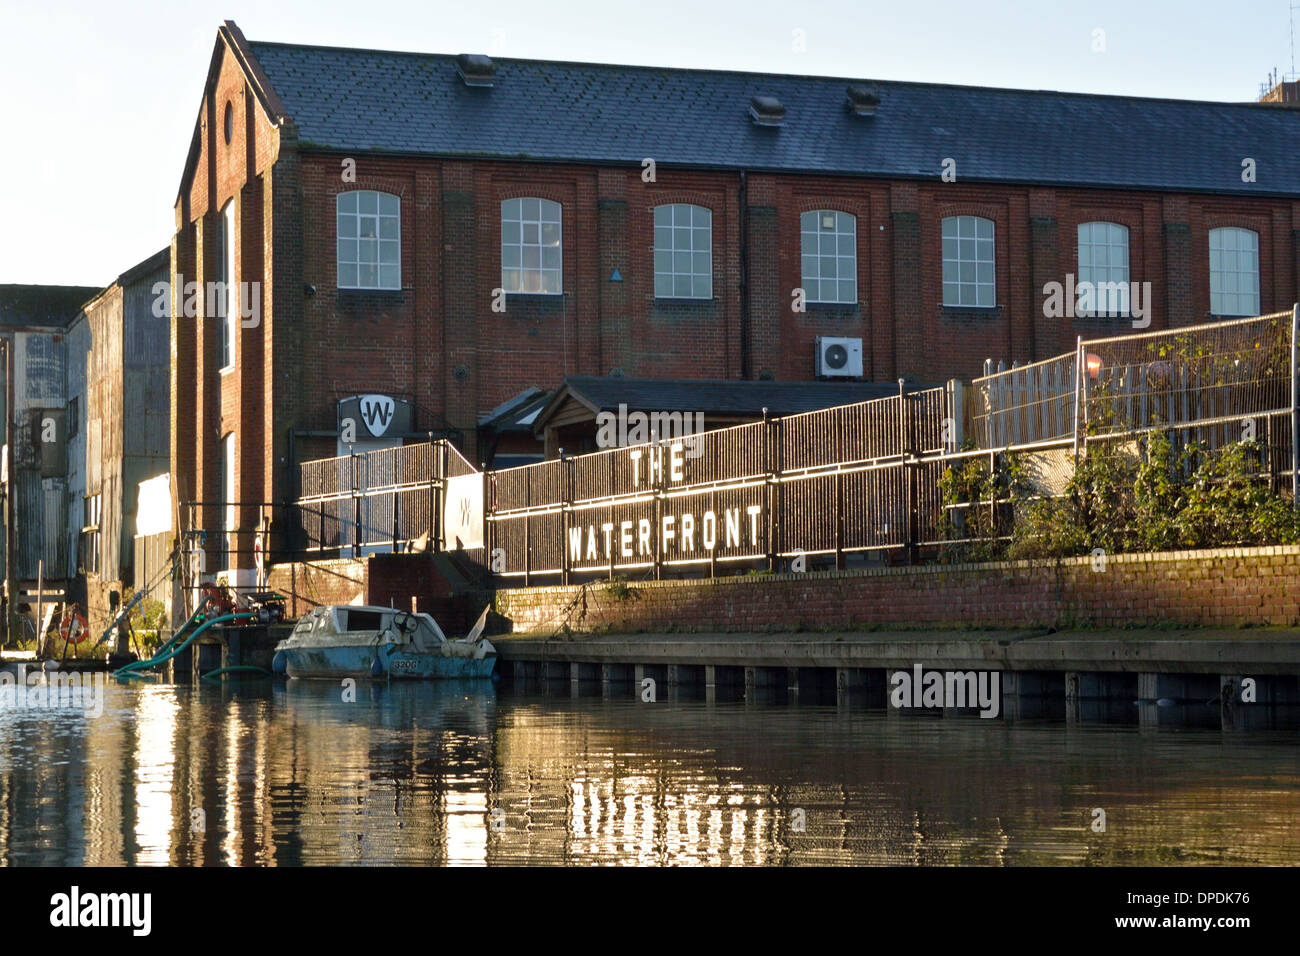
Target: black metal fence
x=824, y=485
x=387, y=498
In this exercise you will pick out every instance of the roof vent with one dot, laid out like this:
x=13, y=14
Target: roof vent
x=863, y=100
x=476, y=69
x=766, y=111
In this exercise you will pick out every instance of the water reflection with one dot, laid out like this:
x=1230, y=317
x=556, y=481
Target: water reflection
x=289, y=774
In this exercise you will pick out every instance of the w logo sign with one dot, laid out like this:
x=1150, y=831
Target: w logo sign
x=377, y=413
x=466, y=510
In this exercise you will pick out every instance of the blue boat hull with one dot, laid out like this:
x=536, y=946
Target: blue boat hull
x=380, y=663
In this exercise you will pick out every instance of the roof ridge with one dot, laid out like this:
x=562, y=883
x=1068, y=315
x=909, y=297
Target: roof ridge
x=714, y=71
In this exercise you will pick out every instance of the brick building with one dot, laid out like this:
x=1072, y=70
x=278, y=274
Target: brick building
x=443, y=234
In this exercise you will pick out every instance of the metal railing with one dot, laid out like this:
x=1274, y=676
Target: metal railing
x=853, y=479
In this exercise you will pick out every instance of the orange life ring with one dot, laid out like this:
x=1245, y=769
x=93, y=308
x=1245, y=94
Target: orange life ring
x=71, y=634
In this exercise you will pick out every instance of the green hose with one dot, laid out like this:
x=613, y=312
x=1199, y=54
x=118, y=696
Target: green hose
x=196, y=617
x=162, y=657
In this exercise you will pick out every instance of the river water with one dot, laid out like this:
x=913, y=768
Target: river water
x=263, y=773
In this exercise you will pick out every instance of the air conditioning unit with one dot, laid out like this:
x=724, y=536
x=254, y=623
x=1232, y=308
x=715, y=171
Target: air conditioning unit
x=839, y=357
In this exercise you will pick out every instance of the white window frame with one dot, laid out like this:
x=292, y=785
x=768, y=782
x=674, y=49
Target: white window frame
x=1234, y=290
x=829, y=238
x=229, y=298
x=360, y=233
x=532, y=246
x=91, y=537
x=1104, y=258
x=966, y=288
x=683, y=251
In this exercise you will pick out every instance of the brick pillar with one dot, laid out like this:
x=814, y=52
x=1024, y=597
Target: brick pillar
x=1050, y=334
x=908, y=326
x=1295, y=272
x=206, y=484
x=763, y=327
x=460, y=302
x=425, y=334
x=615, y=324
x=184, y=385
x=1180, y=297
x=283, y=308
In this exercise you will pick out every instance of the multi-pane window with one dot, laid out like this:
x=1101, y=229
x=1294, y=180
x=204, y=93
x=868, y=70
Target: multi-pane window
x=89, y=538
x=683, y=252
x=1234, y=271
x=828, y=241
x=228, y=298
x=370, y=240
x=531, y=249
x=968, y=262
x=1103, y=264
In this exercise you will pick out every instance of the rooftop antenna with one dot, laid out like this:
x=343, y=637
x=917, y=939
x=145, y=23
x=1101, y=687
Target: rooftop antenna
x=1294, y=6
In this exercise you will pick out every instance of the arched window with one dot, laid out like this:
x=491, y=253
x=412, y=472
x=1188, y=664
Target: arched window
x=683, y=252
x=1234, y=271
x=369, y=240
x=531, y=246
x=1103, y=263
x=829, y=247
x=968, y=262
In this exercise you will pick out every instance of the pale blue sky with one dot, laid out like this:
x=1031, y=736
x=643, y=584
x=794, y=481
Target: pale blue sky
x=99, y=98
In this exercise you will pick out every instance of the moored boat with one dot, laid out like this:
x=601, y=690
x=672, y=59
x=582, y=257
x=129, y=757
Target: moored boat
x=339, y=641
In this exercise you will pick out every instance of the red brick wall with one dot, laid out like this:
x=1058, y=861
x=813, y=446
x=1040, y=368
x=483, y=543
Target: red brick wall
x=439, y=343
x=304, y=586
x=1222, y=588
x=382, y=580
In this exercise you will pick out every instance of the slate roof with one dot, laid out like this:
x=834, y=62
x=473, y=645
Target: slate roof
x=714, y=397
x=43, y=305
x=363, y=100
x=516, y=414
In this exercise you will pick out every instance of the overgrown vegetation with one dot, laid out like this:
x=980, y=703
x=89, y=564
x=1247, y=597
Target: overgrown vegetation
x=1124, y=496
x=147, y=620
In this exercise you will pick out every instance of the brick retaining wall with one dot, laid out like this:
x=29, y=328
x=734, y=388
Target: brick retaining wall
x=1228, y=587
